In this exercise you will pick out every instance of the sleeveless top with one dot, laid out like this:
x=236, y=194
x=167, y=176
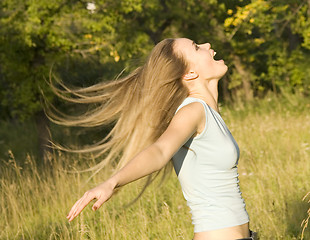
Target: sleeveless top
x=206, y=167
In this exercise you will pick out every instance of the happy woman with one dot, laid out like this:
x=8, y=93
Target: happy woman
x=167, y=109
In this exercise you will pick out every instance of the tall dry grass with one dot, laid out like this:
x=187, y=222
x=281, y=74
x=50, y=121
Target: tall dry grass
x=305, y=222
x=274, y=171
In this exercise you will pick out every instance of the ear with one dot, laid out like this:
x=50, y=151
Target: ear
x=191, y=75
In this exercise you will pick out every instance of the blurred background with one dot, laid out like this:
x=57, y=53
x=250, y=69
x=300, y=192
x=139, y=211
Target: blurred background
x=265, y=43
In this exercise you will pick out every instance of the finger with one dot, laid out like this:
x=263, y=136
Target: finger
x=98, y=203
x=74, y=207
x=81, y=206
x=78, y=209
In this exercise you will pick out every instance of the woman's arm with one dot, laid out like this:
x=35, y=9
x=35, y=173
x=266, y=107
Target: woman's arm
x=183, y=125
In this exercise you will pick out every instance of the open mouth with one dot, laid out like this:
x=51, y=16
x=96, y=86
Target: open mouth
x=216, y=59
x=213, y=53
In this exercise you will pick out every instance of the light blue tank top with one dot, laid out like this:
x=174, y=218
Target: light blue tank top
x=206, y=167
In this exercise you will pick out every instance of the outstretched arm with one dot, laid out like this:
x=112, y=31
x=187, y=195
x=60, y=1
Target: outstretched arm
x=183, y=125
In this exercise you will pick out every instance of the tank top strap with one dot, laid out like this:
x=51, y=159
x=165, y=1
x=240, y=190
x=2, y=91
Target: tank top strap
x=189, y=100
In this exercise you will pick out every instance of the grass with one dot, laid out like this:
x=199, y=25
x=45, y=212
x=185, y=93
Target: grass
x=274, y=168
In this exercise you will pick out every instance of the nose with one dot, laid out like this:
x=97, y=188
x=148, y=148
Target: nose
x=206, y=45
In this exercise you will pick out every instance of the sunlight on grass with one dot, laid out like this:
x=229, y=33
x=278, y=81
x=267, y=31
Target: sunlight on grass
x=274, y=178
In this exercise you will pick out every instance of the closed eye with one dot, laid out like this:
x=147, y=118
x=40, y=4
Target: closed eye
x=196, y=46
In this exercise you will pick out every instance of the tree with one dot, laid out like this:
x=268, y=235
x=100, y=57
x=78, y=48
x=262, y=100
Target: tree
x=35, y=34
x=265, y=43
x=271, y=40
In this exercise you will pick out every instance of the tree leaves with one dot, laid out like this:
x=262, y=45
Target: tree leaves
x=268, y=40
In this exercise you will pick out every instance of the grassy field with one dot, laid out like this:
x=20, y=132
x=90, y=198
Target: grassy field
x=274, y=172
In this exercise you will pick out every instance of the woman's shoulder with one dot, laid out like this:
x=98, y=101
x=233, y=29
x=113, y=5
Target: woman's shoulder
x=195, y=110
x=194, y=104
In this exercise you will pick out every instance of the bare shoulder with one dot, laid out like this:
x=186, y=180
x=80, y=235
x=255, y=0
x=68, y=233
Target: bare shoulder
x=191, y=116
x=194, y=113
x=194, y=109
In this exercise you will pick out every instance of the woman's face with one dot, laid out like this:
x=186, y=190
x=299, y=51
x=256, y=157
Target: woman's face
x=200, y=59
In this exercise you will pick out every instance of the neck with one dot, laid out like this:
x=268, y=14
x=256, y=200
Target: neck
x=207, y=91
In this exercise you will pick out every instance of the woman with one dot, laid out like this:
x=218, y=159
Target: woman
x=176, y=90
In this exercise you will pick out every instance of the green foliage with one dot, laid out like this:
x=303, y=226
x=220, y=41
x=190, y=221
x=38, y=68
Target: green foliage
x=270, y=39
x=19, y=138
x=36, y=34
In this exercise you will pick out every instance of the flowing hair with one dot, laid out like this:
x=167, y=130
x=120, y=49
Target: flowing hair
x=140, y=106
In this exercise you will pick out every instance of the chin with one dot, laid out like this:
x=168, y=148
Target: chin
x=223, y=71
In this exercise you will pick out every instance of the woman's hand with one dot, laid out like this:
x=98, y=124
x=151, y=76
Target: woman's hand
x=102, y=193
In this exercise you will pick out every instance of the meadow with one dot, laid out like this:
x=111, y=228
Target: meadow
x=274, y=172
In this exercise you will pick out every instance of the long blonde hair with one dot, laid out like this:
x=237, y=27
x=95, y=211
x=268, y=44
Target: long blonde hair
x=140, y=105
